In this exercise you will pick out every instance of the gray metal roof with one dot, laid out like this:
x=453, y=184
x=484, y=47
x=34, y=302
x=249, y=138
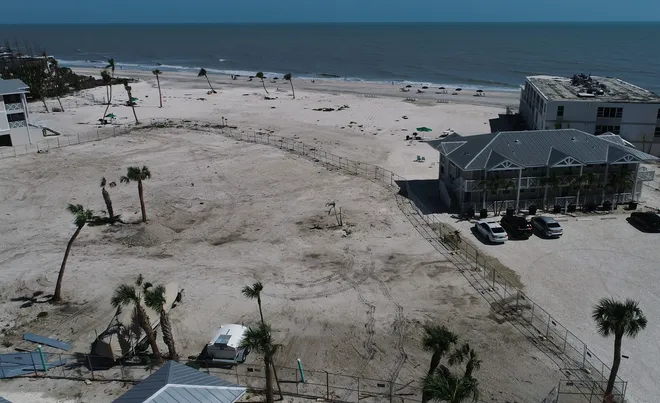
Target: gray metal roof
x=3, y=400
x=177, y=383
x=13, y=86
x=534, y=148
x=616, y=90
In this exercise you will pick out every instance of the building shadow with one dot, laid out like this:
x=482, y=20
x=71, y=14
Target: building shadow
x=424, y=193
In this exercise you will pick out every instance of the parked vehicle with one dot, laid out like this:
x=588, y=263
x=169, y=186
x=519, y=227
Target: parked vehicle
x=547, y=226
x=517, y=227
x=491, y=230
x=225, y=347
x=646, y=220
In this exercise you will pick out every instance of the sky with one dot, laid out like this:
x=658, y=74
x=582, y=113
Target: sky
x=278, y=11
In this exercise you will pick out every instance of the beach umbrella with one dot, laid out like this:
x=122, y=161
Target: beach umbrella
x=110, y=115
x=408, y=86
x=441, y=88
x=133, y=99
x=423, y=129
x=459, y=89
x=480, y=91
x=425, y=87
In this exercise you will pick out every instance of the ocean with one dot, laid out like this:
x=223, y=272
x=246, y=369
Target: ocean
x=470, y=55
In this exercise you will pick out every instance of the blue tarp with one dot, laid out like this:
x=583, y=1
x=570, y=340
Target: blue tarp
x=17, y=364
x=46, y=341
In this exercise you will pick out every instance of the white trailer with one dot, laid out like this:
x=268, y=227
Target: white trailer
x=225, y=347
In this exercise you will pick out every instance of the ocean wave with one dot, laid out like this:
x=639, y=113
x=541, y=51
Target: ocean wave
x=460, y=82
x=222, y=60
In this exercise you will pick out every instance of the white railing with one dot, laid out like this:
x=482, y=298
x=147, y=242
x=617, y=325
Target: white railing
x=18, y=123
x=14, y=107
x=645, y=174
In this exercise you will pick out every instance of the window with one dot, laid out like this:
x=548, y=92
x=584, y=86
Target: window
x=15, y=117
x=560, y=110
x=610, y=112
x=658, y=113
x=12, y=99
x=600, y=129
x=657, y=132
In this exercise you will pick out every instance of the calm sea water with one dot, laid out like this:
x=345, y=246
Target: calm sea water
x=470, y=55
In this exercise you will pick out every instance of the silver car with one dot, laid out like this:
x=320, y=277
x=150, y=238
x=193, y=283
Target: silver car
x=547, y=226
x=491, y=230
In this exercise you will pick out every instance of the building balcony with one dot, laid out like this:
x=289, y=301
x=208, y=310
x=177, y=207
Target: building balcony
x=17, y=107
x=19, y=123
x=644, y=174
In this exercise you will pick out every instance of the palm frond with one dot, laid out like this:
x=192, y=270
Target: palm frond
x=145, y=173
x=616, y=317
x=287, y=76
x=124, y=179
x=139, y=280
x=154, y=298
x=259, y=75
x=258, y=338
x=202, y=72
x=124, y=294
x=253, y=292
x=444, y=386
x=103, y=182
x=75, y=209
x=156, y=72
x=438, y=338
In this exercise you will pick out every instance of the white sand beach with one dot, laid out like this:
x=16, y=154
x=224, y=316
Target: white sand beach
x=224, y=213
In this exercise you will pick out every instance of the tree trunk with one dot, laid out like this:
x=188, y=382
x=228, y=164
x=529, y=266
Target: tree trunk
x=435, y=361
x=292, y=90
x=108, y=205
x=160, y=96
x=469, y=368
x=110, y=96
x=166, y=328
x=261, y=314
x=57, y=297
x=269, y=380
x=209, y=81
x=60, y=102
x=43, y=99
x=615, y=366
x=264, y=84
x=134, y=114
x=145, y=324
x=141, y=194
x=105, y=113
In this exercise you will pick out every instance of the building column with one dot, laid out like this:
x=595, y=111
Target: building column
x=27, y=116
x=607, y=168
x=483, y=198
x=635, y=183
x=518, y=189
x=577, y=200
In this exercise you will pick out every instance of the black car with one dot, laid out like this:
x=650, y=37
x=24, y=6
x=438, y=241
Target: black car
x=646, y=220
x=516, y=227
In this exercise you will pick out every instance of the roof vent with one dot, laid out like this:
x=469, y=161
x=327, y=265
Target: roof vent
x=573, y=138
x=517, y=141
x=466, y=153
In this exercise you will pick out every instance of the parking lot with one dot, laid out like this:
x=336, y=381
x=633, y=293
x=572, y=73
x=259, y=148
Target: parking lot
x=597, y=256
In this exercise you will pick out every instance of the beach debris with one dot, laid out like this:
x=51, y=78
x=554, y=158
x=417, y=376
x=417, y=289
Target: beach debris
x=425, y=87
x=404, y=117
x=324, y=109
x=47, y=341
x=408, y=86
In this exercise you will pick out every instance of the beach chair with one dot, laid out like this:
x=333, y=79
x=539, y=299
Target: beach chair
x=419, y=159
x=423, y=159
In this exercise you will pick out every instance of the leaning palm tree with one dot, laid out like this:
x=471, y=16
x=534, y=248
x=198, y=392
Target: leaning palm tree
x=260, y=75
x=154, y=298
x=128, y=294
x=160, y=96
x=107, y=80
x=137, y=174
x=112, y=66
x=259, y=339
x=620, y=319
x=131, y=100
x=465, y=353
x=287, y=77
x=107, y=200
x=53, y=73
x=443, y=386
x=254, y=292
x=437, y=340
x=80, y=218
x=202, y=73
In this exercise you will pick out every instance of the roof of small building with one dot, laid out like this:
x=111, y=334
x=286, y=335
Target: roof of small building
x=3, y=400
x=614, y=90
x=13, y=86
x=536, y=148
x=178, y=383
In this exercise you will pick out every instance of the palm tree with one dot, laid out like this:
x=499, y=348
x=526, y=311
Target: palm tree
x=80, y=218
x=111, y=65
x=53, y=73
x=160, y=96
x=444, y=386
x=259, y=339
x=492, y=185
x=106, y=199
x=620, y=181
x=437, y=340
x=254, y=292
x=551, y=181
x=287, y=77
x=465, y=353
x=131, y=100
x=202, y=73
x=126, y=294
x=137, y=174
x=261, y=76
x=621, y=319
x=107, y=80
x=154, y=298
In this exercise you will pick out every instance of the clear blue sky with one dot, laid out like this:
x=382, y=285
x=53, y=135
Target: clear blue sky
x=207, y=11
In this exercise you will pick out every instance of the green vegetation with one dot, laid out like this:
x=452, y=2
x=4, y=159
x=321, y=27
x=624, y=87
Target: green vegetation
x=137, y=174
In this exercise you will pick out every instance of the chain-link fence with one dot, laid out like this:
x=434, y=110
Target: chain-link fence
x=65, y=140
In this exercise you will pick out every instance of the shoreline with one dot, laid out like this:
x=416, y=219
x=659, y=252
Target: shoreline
x=138, y=67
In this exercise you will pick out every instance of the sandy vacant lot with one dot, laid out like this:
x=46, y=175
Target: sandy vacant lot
x=224, y=214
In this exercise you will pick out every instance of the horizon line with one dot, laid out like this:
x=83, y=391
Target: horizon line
x=329, y=22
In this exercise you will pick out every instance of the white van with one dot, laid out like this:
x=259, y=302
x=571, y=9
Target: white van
x=225, y=346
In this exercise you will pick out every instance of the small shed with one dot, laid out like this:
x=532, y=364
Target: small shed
x=178, y=383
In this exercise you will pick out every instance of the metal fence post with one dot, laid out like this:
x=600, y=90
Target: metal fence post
x=584, y=354
x=491, y=269
x=391, y=391
x=89, y=362
x=358, y=396
x=327, y=385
